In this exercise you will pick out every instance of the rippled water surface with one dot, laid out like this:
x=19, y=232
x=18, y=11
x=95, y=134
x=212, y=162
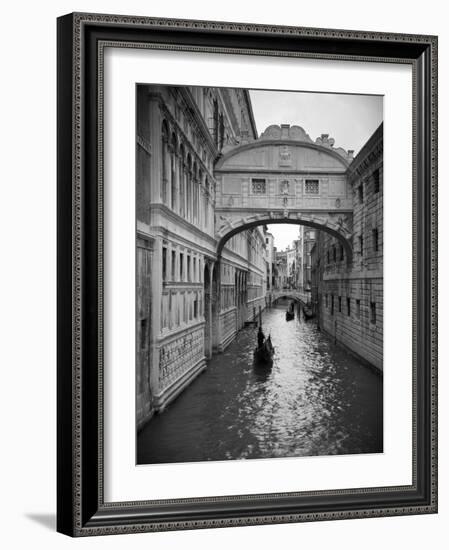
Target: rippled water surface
x=317, y=399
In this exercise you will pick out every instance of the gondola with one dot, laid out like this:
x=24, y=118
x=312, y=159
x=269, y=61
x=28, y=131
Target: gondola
x=264, y=354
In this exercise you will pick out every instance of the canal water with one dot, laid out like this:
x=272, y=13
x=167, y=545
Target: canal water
x=316, y=399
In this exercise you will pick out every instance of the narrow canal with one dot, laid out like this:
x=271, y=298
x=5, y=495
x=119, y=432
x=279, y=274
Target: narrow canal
x=317, y=399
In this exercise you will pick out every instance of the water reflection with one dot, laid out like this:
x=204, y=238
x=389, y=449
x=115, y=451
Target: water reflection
x=315, y=399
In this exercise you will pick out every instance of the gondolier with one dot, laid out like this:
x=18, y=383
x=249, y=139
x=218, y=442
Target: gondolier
x=260, y=337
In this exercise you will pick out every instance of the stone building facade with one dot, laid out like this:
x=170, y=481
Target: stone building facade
x=189, y=304
x=348, y=296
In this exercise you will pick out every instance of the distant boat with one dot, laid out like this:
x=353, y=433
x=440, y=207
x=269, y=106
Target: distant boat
x=308, y=311
x=265, y=353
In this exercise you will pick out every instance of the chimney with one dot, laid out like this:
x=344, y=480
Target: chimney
x=285, y=131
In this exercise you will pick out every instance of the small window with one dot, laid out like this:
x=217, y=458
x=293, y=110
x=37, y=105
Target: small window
x=189, y=274
x=173, y=265
x=342, y=253
x=195, y=309
x=376, y=240
x=332, y=304
x=372, y=307
x=259, y=186
x=361, y=245
x=361, y=192
x=164, y=263
x=181, y=267
x=312, y=187
x=339, y=304
x=194, y=269
x=348, y=306
x=334, y=252
x=357, y=308
x=143, y=334
x=376, y=178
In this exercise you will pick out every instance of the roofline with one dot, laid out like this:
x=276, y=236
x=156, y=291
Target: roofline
x=263, y=142
x=377, y=135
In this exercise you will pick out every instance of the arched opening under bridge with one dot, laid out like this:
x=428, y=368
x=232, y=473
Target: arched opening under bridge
x=337, y=228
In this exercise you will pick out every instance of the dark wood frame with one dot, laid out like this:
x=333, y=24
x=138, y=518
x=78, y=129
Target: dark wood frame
x=81, y=509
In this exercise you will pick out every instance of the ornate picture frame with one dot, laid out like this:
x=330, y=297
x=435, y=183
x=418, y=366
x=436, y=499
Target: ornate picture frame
x=82, y=509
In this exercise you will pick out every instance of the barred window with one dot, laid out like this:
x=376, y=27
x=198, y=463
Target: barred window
x=312, y=187
x=259, y=186
x=373, y=312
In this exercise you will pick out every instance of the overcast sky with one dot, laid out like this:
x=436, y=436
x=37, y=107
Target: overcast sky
x=349, y=119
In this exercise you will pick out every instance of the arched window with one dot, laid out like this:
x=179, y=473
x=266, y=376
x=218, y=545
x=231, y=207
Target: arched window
x=189, y=186
x=173, y=169
x=195, y=192
x=164, y=183
x=182, y=180
x=206, y=203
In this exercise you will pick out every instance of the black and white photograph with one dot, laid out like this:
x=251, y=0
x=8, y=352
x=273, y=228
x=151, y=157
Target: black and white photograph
x=259, y=274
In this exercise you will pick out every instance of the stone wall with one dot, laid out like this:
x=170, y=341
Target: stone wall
x=350, y=294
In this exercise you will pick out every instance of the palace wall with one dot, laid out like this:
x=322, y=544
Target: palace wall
x=188, y=304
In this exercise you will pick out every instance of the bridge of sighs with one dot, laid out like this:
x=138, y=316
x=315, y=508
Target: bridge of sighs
x=284, y=177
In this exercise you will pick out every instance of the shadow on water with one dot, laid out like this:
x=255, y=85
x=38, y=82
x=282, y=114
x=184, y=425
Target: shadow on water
x=262, y=371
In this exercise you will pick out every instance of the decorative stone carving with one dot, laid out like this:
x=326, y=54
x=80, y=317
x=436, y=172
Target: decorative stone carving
x=285, y=156
x=285, y=187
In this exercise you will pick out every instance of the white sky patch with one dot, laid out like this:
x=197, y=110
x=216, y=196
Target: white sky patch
x=284, y=234
x=350, y=119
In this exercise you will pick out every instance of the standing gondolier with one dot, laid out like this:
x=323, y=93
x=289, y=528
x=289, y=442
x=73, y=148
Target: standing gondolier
x=260, y=337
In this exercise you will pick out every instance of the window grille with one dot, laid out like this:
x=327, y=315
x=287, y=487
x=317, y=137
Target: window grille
x=259, y=186
x=312, y=187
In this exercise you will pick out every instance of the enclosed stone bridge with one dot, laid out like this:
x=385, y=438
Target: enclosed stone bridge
x=284, y=177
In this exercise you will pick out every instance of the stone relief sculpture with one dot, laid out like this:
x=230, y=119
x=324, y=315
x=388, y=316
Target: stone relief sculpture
x=285, y=187
x=285, y=156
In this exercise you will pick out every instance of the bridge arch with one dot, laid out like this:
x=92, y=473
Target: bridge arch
x=335, y=227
